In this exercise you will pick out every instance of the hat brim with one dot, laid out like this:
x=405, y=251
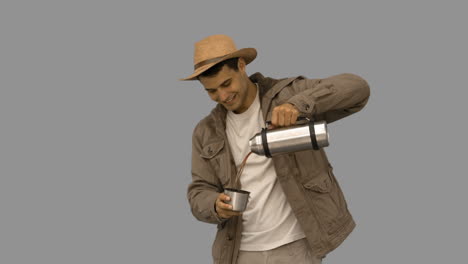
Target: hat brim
x=249, y=54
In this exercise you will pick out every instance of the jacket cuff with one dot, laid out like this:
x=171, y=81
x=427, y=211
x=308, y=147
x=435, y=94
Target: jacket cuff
x=303, y=104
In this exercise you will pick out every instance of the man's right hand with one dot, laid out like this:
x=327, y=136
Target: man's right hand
x=223, y=209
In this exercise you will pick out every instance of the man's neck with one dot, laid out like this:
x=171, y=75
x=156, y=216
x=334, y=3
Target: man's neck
x=251, y=94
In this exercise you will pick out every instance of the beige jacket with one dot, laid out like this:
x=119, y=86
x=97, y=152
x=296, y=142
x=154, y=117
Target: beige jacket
x=306, y=177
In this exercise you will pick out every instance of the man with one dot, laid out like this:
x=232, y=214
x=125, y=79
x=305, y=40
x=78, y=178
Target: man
x=296, y=212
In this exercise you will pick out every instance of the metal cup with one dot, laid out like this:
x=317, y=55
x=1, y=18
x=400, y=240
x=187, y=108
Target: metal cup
x=239, y=199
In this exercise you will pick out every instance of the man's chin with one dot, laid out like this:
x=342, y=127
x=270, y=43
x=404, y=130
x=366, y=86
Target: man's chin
x=230, y=107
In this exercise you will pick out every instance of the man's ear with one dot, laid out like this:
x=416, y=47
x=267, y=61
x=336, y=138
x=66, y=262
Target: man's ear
x=241, y=64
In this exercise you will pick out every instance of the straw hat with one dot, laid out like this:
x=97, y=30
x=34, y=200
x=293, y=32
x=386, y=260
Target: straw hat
x=214, y=49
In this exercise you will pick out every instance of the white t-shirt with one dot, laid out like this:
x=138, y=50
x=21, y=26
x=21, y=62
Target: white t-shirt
x=268, y=221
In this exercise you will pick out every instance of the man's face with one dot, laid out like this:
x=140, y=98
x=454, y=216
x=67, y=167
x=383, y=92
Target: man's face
x=229, y=88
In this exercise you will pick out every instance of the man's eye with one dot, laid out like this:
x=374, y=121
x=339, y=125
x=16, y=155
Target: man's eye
x=211, y=91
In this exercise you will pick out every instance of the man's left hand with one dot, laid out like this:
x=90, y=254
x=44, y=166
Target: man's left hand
x=284, y=115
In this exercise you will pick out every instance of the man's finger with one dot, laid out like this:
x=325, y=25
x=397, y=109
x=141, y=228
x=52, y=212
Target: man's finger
x=287, y=117
x=294, y=117
x=224, y=197
x=224, y=206
x=274, y=117
x=281, y=118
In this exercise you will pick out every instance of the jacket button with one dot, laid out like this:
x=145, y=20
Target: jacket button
x=229, y=237
x=307, y=107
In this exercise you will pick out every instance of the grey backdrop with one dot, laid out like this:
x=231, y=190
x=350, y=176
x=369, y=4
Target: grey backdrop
x=96, y=128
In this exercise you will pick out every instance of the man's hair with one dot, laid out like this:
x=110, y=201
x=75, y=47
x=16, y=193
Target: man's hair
x=231, y=63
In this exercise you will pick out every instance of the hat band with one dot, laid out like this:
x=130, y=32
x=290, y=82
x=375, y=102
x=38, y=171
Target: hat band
x=205, y=62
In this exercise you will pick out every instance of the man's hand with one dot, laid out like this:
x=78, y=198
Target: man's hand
x=224, y=210
x=284, y=115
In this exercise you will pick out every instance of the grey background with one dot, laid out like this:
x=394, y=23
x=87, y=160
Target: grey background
x=96, y=128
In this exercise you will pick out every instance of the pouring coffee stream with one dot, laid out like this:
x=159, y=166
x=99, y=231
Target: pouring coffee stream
x=241, y=168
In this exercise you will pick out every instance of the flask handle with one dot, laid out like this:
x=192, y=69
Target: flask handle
x=299, y=119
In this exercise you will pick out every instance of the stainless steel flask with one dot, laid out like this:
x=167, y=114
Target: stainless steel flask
x=312, y=135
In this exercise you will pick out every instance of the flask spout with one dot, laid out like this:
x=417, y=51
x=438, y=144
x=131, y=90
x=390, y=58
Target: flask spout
x=256, y=145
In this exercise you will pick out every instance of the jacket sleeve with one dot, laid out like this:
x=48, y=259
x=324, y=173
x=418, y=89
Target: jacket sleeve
x=331, y=98
x=203, y=190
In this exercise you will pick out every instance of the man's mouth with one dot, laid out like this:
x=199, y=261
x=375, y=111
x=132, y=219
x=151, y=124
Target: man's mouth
x=230, y=100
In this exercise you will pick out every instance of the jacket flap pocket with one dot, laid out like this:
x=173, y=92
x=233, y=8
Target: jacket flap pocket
x=210, y=150
x=321, y=183
x=324, y=90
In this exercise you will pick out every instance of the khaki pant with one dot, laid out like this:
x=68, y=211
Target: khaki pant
x=296, y=252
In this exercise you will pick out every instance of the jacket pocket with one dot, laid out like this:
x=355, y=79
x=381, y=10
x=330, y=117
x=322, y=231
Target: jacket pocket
x=321, y=184
x=327, y=201
x=214, y=154
x=211, y=150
